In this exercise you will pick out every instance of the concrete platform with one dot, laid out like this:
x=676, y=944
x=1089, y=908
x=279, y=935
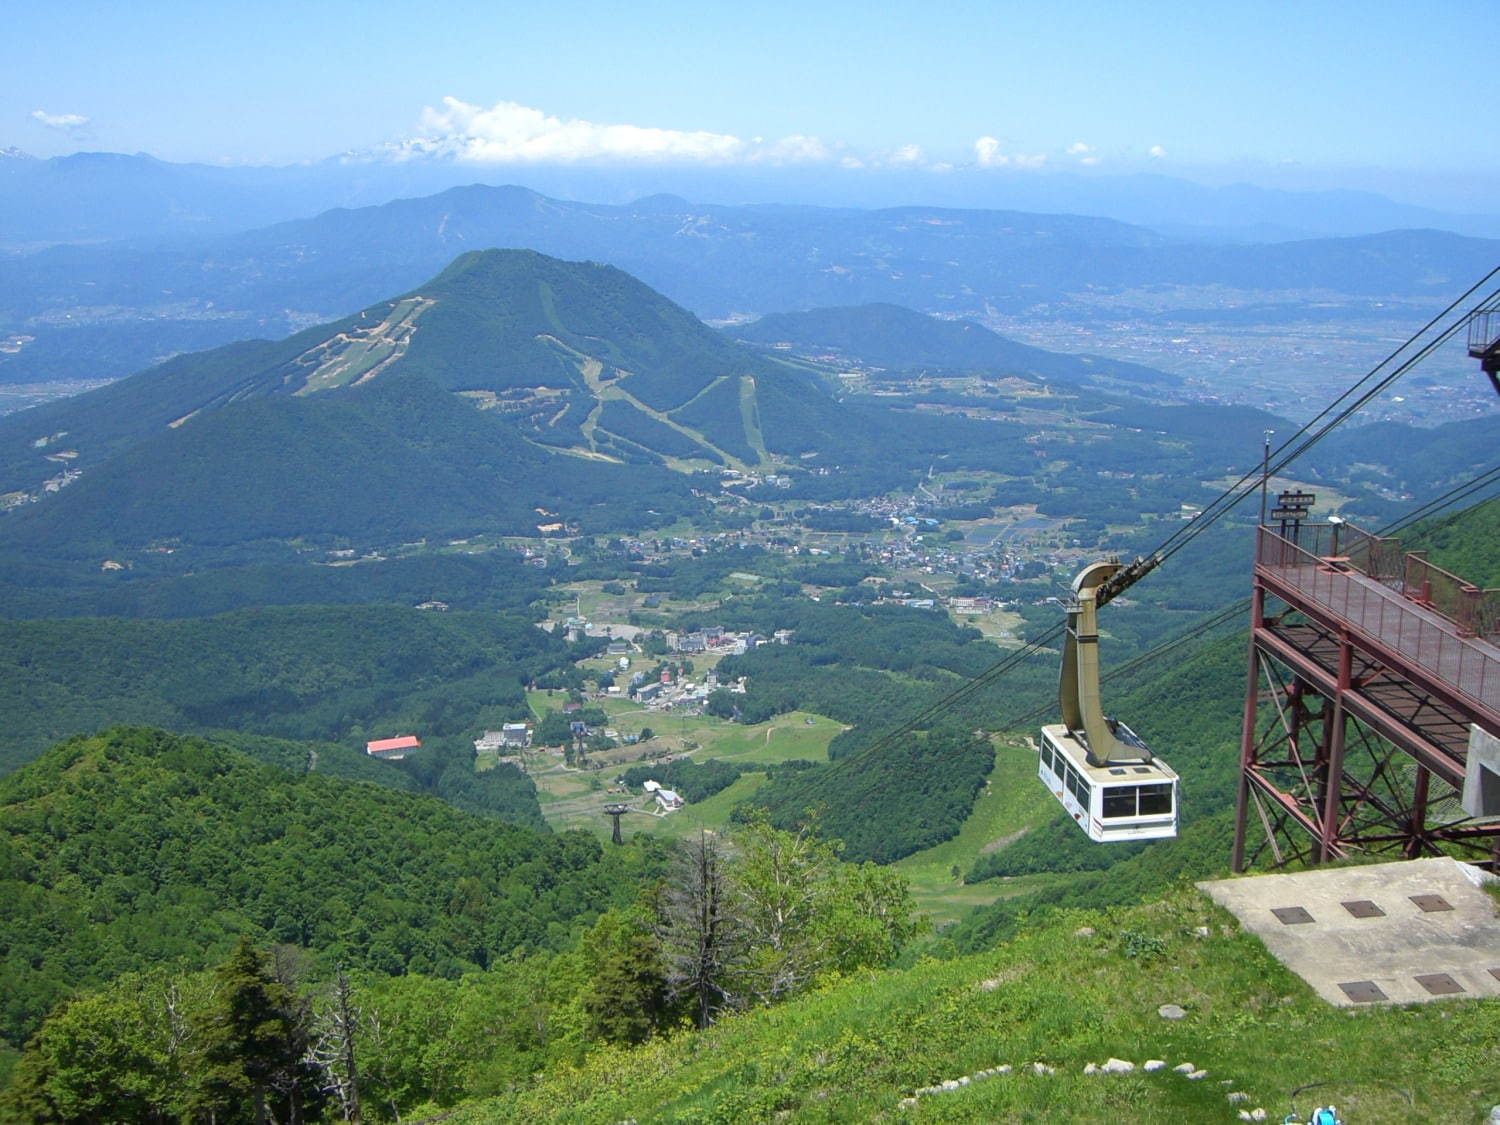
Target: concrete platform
x=1396, y=933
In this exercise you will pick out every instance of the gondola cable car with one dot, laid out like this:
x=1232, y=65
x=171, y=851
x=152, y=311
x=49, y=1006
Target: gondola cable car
x=1100, y=770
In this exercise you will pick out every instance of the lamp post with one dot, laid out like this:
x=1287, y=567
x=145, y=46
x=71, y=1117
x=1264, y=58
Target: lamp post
x=1265, y=472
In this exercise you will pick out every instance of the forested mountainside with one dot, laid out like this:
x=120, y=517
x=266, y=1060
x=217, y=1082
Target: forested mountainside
x=513, y=392
x=326, y=674
x=136, y=848
x=1465, y=543
x=492, y=580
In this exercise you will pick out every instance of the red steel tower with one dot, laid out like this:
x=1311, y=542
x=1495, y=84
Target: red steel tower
x=1372, y=708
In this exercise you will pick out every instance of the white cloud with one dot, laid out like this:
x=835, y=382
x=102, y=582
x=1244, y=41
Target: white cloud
x=906, y=156
x=1084, y=153
x=795, y=149
x=511, y=133
x=1156, y=152
x=987, y=154
x=64, y=122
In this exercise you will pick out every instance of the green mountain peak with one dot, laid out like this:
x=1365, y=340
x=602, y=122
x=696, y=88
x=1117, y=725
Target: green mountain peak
x=440, y=410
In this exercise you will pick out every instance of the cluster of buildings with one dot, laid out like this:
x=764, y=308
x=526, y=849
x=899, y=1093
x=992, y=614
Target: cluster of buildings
x=733, y=478
x=667, y=693
x=511, y=736
x=715, y=638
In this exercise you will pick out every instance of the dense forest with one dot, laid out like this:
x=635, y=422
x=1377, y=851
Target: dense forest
x=907, y=794
x=452, y=957
x=331, y=673
x=157, y=585
x=694, y=781
x=136, y=848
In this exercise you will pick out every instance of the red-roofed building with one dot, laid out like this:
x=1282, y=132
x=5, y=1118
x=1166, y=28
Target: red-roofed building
x=393, y=749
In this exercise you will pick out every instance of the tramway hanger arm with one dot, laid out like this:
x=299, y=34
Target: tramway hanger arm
x=1078, y=687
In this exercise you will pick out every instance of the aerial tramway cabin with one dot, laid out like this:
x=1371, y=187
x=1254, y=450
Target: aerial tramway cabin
x=1127, y=800
x=1100, y=770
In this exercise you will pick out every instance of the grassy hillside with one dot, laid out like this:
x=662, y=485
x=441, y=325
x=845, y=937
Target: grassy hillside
x=1080, y=989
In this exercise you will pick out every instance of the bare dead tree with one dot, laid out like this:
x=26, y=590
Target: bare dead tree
x=699, y=933
x=331, y=1047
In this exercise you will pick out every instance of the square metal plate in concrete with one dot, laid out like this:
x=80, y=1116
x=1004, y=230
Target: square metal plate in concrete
x=1439, y=984
x=1389, y=950
x=1363, y=908
x=1431, y=904
x=1363, y=991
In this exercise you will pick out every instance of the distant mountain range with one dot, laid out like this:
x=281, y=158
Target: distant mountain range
x=92, y=196
x=102, y=311
x=901, y=340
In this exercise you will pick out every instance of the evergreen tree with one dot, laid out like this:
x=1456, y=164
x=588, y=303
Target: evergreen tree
x=630, y=996
x=252, y=1050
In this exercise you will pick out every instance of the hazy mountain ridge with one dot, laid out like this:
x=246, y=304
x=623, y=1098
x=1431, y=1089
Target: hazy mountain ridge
x=901, y=339
x=88, y=196
x=106, y=310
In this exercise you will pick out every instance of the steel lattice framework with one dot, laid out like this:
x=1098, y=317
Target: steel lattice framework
x=1368, y=668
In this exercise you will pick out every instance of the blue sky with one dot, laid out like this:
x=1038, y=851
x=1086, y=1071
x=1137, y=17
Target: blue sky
x=1372, y=94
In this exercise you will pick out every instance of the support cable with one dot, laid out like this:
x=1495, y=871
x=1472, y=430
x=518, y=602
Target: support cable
x=1215, y=510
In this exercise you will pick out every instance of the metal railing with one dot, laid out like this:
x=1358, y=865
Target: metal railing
x=1484, y=332
x=1463, y=603
x=1380, y=610
x=1372, y=555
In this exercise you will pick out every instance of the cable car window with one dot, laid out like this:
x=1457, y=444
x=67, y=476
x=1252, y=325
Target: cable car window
x=1119, y=801
x=1156, y=800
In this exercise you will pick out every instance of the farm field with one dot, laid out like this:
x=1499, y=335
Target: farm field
x=575, y=798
